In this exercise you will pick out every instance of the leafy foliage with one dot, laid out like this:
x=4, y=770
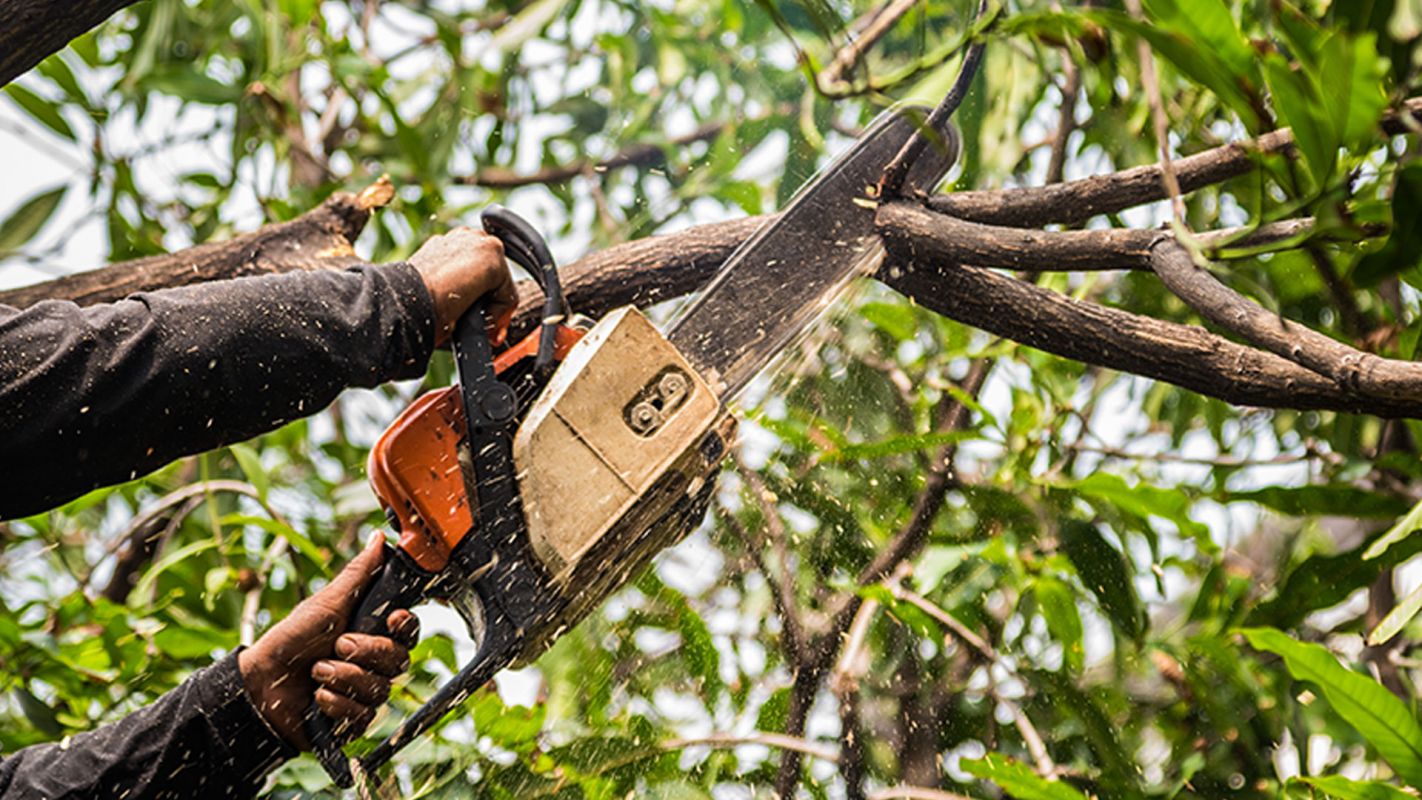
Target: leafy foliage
x=1076, y=600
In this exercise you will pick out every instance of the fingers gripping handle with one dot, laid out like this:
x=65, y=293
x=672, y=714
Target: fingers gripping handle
x=400, y=584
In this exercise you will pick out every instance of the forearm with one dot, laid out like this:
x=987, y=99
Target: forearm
x=203, y=739
x=99, y=395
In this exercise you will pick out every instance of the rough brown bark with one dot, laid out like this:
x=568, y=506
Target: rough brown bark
x=1005, y=247
x=1187, y=356
x=319, y=239
x=1364, y=373
x=34, y=29
x=1075, y=202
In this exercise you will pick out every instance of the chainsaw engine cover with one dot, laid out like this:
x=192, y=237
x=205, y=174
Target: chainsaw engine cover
x=614, y=458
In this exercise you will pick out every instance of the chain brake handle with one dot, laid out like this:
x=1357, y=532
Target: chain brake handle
x=525, y=246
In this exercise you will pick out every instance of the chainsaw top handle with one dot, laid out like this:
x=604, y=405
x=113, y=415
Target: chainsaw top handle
x=525, y=246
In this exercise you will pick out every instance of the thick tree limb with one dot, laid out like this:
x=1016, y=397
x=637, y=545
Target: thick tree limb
x=1028, y=250
x=34, y=29
x=1184, y=355
x=1075, y=202
x=1354, y=370
x=319, y=239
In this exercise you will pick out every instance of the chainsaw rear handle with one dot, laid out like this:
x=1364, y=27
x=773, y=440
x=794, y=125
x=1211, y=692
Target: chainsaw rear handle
x=401, y=584
x=525, y=246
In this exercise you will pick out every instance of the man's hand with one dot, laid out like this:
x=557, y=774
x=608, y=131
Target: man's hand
x=294, y=660
x=461, y=266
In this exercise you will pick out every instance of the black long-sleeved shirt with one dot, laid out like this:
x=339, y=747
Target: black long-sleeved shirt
x=93, y=396
x=203, y=739
x=99, y=395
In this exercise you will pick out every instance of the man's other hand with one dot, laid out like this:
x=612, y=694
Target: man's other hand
x=458, y=268
x=309, y=654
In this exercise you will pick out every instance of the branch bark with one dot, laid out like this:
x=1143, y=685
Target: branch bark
x=1028, y=250
x=1353, y=370
x=1187, y=356
x=319, y=239
x=34, y=29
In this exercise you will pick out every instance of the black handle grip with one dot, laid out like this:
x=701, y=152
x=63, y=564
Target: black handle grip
x=526, y=246
x=400, y=584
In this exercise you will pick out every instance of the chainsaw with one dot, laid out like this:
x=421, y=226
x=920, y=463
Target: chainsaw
x=552, y=472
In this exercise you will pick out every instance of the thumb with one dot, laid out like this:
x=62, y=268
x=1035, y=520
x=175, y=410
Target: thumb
x=343, y=590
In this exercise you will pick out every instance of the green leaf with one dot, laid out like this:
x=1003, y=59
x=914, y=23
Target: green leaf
x=1323, y=581
x=38, y=712
x=1104, y=572
x=1197, y=61
x=1399, y=616
x=774, y=711
x=295, y=538
x=251, y=465
x=1144, y=500
x=1209, y=24
x=1322, y=499
x=1362, y=702
x=895, y=319
x=43, y=111
x=1404, y=244
x=1352, y=73
x=1298, y=102
x=28, y=219
x=1400, y=530
x=1342, y=788
x=150, y=577
x=192, y=641
x=1017, y=780
x=1057, y=603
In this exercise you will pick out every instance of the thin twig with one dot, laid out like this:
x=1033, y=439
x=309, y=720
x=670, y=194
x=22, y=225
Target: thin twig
x=868, y=30
x=763, y=738
x=1151, y=79
x=1071, y=87
x=1036, y=745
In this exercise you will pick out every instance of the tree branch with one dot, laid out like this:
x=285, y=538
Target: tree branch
x=1075, y=202
x=1186, y=356
x=867, y=31
x=1352, y=370
x=319, y=239
x=34, y=29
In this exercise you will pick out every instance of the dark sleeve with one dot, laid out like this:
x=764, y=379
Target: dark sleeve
x=203, y=739
x=99, y=395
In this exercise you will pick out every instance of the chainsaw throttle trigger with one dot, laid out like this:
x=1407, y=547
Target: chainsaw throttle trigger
x=525, y=246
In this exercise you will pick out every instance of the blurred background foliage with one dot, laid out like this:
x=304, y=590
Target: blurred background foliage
x=1131, y=591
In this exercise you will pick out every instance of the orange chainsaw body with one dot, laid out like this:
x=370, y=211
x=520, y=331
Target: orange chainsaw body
x=415, y=466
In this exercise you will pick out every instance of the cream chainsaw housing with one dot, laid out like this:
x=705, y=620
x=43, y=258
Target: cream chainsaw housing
x=625, y=436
